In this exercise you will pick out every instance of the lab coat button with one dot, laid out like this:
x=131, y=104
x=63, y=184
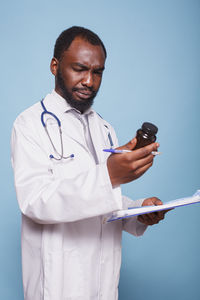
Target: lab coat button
x=50, y=171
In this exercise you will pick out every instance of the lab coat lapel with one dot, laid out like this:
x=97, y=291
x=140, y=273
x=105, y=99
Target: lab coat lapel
x=98, y=134
x=74, y=131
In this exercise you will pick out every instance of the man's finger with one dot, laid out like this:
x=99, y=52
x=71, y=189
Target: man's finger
x=144, y=151
x=141, y=152
x=129, y=146
x=157, y=202
x=160, y=214
x=143, y=162
x=142, y=170
x=144, y=219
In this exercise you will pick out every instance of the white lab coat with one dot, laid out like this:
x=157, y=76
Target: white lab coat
x=67, y=251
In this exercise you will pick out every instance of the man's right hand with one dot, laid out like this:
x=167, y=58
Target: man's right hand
x=126, y=167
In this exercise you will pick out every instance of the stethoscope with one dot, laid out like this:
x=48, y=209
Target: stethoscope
x=60, y=155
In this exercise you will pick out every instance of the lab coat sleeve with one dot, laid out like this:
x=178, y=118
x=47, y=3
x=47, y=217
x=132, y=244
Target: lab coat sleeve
x=48, y=199
x=132, y=225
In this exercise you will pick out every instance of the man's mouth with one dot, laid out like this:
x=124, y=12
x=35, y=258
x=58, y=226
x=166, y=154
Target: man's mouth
x=83, y=94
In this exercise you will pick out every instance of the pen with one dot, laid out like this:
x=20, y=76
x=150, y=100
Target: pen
x=126, y=151
x=156, y=153
x=116, y=150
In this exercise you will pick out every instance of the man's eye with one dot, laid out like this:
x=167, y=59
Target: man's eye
x=99, y=72
x=78, y=69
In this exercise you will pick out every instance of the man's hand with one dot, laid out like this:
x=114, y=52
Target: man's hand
x=155, y=217
x=126, y=167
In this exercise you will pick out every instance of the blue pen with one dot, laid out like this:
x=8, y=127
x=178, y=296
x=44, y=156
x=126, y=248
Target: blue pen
x=127, y=151
x=116, y=150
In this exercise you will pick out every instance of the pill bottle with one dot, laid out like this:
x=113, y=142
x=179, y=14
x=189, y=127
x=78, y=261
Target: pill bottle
x=146, y=135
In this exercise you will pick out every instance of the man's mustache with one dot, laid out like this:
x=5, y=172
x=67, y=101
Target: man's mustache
x=86, y=90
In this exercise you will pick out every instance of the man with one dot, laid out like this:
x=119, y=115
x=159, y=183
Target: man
x=66, y=184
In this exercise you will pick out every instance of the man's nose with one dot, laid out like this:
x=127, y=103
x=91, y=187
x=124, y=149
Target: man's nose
x=87, y=80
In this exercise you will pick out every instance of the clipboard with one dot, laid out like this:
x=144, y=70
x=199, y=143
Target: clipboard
x=135, y=211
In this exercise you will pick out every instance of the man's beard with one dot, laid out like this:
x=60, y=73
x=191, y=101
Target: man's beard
x=81, y=105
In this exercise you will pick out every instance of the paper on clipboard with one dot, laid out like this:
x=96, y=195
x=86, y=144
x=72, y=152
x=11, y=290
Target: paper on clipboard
x=121, y=214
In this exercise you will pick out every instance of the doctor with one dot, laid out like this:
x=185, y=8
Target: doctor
x=65, y=183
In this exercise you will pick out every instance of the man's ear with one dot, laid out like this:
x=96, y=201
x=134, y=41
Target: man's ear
x=54, y=66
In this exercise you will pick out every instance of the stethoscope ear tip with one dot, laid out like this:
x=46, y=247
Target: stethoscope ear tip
x=51, y=156
x=72, y=155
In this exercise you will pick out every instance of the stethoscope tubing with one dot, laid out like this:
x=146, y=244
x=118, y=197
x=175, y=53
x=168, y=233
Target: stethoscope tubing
x=60, y=155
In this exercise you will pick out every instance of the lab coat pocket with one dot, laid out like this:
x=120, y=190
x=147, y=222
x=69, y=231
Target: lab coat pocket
x=65, y=169
x=63, y=276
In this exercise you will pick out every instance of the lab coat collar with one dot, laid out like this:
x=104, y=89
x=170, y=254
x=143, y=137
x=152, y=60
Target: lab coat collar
x=57, y=105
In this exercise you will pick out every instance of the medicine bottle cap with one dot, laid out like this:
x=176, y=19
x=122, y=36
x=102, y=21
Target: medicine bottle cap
x=149, y=128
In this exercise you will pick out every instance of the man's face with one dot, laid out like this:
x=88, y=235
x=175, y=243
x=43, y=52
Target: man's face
x=79, y=73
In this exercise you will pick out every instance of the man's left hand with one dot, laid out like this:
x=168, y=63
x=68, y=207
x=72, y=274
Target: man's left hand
x=154, y=217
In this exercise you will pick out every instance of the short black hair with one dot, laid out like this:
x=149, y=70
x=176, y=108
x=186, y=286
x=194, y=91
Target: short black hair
x=67, y=36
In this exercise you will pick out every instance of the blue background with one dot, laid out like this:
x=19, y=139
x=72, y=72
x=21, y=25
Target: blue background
x=152, y=74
